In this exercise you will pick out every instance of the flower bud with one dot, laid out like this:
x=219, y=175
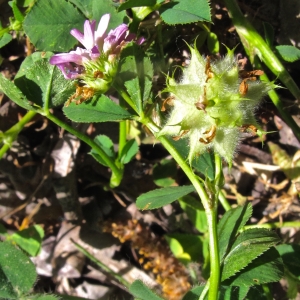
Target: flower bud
x=95, y=65
x=213, y=104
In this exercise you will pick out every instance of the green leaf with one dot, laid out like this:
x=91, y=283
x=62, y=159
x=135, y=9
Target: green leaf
x=293, y=284
x=136, y=72
x=17, y=272
x=249, y=245
x=230, y=224
x=14, y=94
x=16, y=11
x=24, y=3
x=161, y=197
x=164, y=171
x=93, y=11
x=269, y=34
x=213, y=44
x=288, y=53
x=107, y=146
x=35, y=81
x=185, y=11
x=290, y=254
x=129, y=151
x=256, y=292
x=29, y=61
x=101, y=109
x=177, y=249
x=86, y=7
x=195, y=212
x=35, y=78
x=264, y=269
x=5, y=39
x=201, y=38
x=233, y=292
x=204, y=163
x=194, y=293
x=29, y=239
x=186, y=247
x=141, y=291
x=49, y=22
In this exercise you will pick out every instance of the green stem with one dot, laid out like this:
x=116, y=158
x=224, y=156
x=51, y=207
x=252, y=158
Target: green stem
x=103, y=266
x=11, y=134
x=219, y=178
x=48, y=94
x=210, y=209
x=255, y=44
x=3, y=150
x=122, y=131
x=205, y=290
x=212, y=220
x=267, y=291
x=122, y=137
x=276, y=100
x=117, y=172
x=126, y=97
x=259, y=46
x=224, y=201
x=210, y=205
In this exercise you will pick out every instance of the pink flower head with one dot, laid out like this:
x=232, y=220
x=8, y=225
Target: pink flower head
x=98, y=46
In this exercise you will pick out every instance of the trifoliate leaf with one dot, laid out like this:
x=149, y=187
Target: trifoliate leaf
x=48, y=25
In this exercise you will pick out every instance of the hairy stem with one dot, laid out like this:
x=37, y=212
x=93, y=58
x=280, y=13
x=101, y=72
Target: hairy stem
x=210, y=209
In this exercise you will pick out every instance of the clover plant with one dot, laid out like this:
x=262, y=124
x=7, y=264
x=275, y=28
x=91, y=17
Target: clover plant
x=210, y=105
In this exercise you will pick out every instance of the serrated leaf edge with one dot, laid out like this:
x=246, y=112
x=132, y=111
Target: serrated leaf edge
x=245, y=265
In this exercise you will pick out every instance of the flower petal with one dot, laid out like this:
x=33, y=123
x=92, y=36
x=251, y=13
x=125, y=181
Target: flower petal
x=77, y=35
x=114, y=38
x=100, y=33
x=86, y=39
x=119, y=32
x=65, y=58
x=102, y=27
x=89, y=30
x=68, y=71
x=141, y=40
